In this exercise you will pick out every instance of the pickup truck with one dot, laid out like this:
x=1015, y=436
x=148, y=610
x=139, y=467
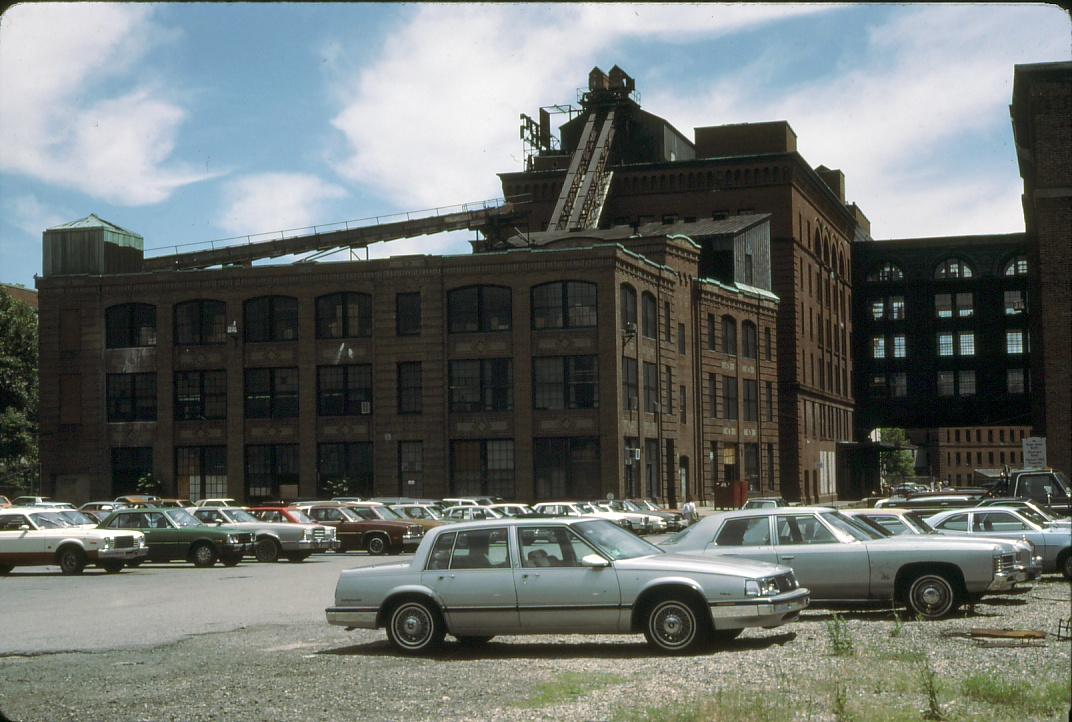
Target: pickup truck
x=1042, y=486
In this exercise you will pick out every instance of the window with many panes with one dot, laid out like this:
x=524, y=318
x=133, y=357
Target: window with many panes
x=729, y=335
x=271, y=393
x=966, y=383
x=129, y=325
x=650, y=316
x=566, y=468
x=1014, y=342
x=201, y=472
x=411, y=468
x=945, y=344
x=200, y=395
x=269, y=466
x=1015, y=381
x=898, y=385
x=200, y=323
x=483, y=467
x=271, y=318
x=410, y=391
x=628, y=303
x=711, y=333
x=630, y=383
x=1015, y=302
x=481, y=385
x=131, y=397
x=344, y=315
x=349, y=462
x=750, y=340
x=751, y=400
x=651, y=388
x=1016, y=267
x=729, y=397
x=899, y=346
x=878, y=347
x=564, y=304
x=408, y=314
x=946, y=383
x=344, y=390
x=565, y=382
x=885, y=272
x=478, y=309
x=953, y=268
x=966, y=343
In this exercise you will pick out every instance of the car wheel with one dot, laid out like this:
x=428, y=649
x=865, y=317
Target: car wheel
x=5, y=569
x=415, y=627
x=113, y=567
x=203, y=555
x=931, y=596
x=723, y=636
x=71, y=560
x=267, y=550
x=376, y=545
x=297, y=557
x=675, y=626
x=1066, y=566
x=473, y=641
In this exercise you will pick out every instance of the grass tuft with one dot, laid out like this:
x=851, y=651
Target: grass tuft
x=566, y=687
x=1047, y=696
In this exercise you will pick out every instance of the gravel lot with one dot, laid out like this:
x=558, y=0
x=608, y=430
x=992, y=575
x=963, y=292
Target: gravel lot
x=288, y=664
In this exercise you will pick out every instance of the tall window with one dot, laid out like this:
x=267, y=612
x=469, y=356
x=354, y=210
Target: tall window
x=750, y=339
x=651, y=388
x=201, y=472
x=350, y=462
x=130, y=463
x=482, y=467
x=953, y=268
x=711, y=333
x=269, y=466
x=751, y=400
x=730, y=469
x=729, y=335
x=1015, y=381
x=945, y=344
x=668, y=374
x=681, y=338
x=410, y=388
x=481, y=385
x=344, y=390
x=886, y=272
x=564, y=304
x=1015, y=303
x=946, y=384
x=650, y=316
x=344, y=315
x=271, y=318
x=630, y=382
x=751, y=466
x=271, y=393
x=129, y=325
x=768, y=401
x=200, y=323
x=566, y=468
x=1016, y=267
x=411, y=468
x=200, y=395
x=1014, y=342
x=667, y=330
x=479, y=309
x=628, y=303
x=878, y=347
x=966, y=343
x=565, y=382
x=729, y=397
x=408, y=314
x=899, y=348
x=767, y=353
x=966, y=383
x=898, y=385
x=131, y=397
x=712, y=395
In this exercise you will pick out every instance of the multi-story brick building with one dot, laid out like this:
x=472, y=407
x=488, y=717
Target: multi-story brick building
x=954, y=455
x=575, y=367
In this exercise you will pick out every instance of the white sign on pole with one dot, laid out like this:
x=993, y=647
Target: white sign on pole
x=1034, y=448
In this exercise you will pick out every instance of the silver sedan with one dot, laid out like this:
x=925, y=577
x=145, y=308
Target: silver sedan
x=1052, y=542
x=558, y=576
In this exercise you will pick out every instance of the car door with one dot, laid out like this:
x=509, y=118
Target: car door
x=830, y=568
x=555, y=593
x=474, y=580
x=1005, y=525
x=18, y=545
x=172, y=543
x=746, y=536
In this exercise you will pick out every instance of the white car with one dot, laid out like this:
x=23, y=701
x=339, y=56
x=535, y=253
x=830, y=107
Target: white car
x=515, y=509
x=460, y=501
x=648, y=523
x=580, y=508
x=218, y=502
x=32, y=536
x=470, y=513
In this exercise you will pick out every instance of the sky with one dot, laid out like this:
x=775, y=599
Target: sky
x=188, y=123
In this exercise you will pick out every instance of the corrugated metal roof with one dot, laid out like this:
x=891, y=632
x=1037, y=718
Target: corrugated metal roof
x=93, y=221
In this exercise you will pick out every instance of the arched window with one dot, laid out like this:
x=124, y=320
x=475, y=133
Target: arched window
x=564, y=304
x=344, y=315
x=629, y=308
x=271, y=318
x=1016, y=266
x=953, y=268
x=130, y=324
x=200, y=322
x=650, y=316
x=749, y=340
x=479, y=308
x=729, y=335
x=886, y=272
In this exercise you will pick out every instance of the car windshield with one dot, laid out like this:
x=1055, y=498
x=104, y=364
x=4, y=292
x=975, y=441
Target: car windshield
x=916, y=519
x=77, y=517
x=350, y=514
x=630, y=506
x=587, y=508
x=848, y=528
x=646, y=504
x=684, y=534
x=386, y=513
x=241, y=516
x=1033, y=515
x=301, y=517
x=182, y=518
x=614, y=541
x=51, y=520
x=872, y=525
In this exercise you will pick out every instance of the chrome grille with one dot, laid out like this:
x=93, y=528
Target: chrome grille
x=244, y=537
x=124, y=542
x=1023, y=556
x=416, y=530
x=1004, y=562
x=318, y=533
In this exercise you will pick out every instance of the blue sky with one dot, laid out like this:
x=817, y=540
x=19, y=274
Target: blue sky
x=192, y=122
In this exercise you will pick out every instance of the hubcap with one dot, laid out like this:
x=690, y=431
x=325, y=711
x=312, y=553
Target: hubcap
x=412, y=626
x=932, y=596
x=673, y=626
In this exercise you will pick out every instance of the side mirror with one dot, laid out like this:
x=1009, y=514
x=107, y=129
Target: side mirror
x=594, y=561
x=219, y=523
x=24, y=527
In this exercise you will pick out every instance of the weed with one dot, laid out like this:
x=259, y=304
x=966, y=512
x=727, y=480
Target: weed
x=840, y=699
x=898, y=625
x=896, y=654
x=840, y=636
x=930, y=687
x=739, y=706
x=1022, y=697
x=566, y=687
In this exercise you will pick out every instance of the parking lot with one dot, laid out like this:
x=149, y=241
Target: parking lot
x=169, y=641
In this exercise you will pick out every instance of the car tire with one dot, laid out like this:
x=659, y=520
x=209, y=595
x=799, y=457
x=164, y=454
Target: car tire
x=300, y=557
x=674, y=625
x=267, y=550
x=376, y=545
x=932, y=596
x=725, y=636
x=415, y=627
x=467, y=641
x=71, y=560
x=203, y=555
x=113, y=567
x=1065, y=565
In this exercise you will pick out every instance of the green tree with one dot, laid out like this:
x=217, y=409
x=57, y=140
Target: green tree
x=896, y=465
x=19, y=465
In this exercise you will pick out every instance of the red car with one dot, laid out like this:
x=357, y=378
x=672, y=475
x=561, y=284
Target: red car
x=360, y=529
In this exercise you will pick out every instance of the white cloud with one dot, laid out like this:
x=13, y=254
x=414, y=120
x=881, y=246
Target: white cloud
x=267, y=202
x=52, y=59
x=433, y=120
x=27, y=213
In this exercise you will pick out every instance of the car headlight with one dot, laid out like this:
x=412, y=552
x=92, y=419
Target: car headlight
x=232, y=539
x=307, y=534
x=107, y=542
x=761, y=587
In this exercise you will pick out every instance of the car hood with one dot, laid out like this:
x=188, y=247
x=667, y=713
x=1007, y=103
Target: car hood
x=276, y=526
x=913, y=543
x=700, y=563
x=1004, y=543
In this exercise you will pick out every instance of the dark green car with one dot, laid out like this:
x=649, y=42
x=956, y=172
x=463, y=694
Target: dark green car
x=174, y=533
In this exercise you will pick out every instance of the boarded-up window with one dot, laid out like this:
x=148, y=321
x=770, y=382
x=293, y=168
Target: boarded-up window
x=70, y=329
x=70, y=398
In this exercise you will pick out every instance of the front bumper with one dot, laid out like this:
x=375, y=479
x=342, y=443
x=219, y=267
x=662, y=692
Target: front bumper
x=309, y=545
x=352, y=617
x=410, y=543
x=765, y=612
x=128, y=554
x=1003, y=581
x=232, y=550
